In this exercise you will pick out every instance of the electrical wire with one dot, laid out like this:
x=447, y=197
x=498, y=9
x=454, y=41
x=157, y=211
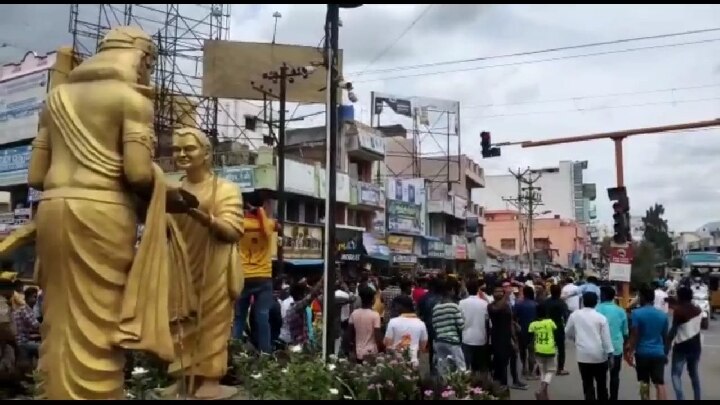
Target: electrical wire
x=593, y=96
x=530, y=62
x=407, y=29
x=611, y=107
x=528, y=53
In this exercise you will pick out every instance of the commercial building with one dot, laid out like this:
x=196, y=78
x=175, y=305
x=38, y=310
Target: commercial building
x=556, y=240
x=563, y=190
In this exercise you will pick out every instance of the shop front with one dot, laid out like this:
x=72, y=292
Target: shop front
x=302, y=248
x=433, y=254
x=403, y=257
x=350, y=252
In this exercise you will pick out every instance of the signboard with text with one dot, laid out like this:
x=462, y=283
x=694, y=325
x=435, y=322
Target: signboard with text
x=620, y=263
x=436, y=249
x=17, y=158
x=404, y=260
x=404, y=217
x=400, y=244
x=242, y=176
x=302, y=241
x=21, y=99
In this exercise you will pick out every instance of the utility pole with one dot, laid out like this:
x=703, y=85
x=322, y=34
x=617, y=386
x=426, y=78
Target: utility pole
x=533, y=197
x=527, y=200
x=284, y=75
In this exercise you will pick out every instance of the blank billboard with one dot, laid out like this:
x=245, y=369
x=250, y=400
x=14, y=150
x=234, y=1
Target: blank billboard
x=230, y=66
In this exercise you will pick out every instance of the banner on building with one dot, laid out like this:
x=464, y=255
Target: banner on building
x=412, y=191
x=435, y=249
x=21, y=99
x=371, y=142
x=369, y=194
x=404, y=217
x=351, y=250
x=400, y=244
x=242, y=176
x=16, y=158
x=403, y=259
x=302, y=241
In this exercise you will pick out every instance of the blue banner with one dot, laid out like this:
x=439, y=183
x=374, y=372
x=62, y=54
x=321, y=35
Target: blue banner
x=17, y=158
x=242, y=176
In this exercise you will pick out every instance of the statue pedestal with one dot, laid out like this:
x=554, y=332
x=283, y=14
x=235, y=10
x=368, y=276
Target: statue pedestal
x=226, y=393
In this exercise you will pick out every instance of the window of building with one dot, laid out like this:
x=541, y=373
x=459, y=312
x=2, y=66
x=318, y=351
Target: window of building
x=311, y=212
x=292, y=211
x=507, y=244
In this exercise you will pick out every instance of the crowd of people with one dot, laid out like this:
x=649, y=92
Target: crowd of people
x=20, y=319
x=513, y=327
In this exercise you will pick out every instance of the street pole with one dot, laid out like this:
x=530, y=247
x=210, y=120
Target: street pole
x=332, y=24
x=281, y=169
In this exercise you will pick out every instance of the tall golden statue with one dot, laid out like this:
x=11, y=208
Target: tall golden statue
x=211, y=233
x=92, y=158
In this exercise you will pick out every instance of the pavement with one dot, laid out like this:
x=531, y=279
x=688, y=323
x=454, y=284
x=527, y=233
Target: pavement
x=569, y=387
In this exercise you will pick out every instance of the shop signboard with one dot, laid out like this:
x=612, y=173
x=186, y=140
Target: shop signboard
x=435, y=249
x=350, y=251
x=302, y=241
x=400, y=244
x=404, y=217
x=461, y=251
x=368, y=194
x=403, y=259
x=242, y=176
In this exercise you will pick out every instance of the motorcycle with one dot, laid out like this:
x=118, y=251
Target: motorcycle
x=701, y=300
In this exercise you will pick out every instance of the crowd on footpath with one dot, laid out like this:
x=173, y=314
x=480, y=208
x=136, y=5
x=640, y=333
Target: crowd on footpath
x=514, y=327
x=20, y=319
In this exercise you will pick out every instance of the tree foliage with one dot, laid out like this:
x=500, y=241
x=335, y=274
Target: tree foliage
x=645, y=256
x=656, y=232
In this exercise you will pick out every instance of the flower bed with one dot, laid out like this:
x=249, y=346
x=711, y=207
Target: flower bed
x=300, y=374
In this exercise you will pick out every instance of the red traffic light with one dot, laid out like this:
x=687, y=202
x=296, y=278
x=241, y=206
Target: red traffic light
x=485, y=137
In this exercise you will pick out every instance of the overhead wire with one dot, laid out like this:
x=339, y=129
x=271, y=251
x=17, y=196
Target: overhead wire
x=530, y=62
x=407, y=29
x=535, y=52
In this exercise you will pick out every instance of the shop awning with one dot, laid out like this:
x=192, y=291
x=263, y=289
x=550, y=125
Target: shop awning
x=305, y=262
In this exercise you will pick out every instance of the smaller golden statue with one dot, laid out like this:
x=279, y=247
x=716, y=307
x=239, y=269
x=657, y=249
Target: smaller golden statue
x=211, y=234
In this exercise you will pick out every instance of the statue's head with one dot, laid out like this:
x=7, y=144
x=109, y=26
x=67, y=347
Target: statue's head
x=192, y=149
x=131, y=40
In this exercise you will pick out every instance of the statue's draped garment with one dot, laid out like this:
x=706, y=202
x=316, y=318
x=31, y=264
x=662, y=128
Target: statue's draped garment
x=217, y=279
x=101, y=295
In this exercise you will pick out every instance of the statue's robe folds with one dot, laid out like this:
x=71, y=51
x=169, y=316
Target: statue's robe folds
x=217, y=278
x=100, y=295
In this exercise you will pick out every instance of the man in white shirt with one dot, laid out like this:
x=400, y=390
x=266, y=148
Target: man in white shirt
x=570, y=294
x=285, y=306
x=407, y=331
x=594, y=349
x=477, y=323
x=660, y=298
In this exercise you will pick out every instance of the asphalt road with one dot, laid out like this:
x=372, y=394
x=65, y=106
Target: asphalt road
x=569, y=387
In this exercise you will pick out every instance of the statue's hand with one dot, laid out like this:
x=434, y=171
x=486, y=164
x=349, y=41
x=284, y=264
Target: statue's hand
x=175, y=203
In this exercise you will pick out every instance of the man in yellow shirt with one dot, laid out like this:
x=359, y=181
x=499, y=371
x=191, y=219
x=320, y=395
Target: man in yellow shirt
x=543, y=330
x=256, y=261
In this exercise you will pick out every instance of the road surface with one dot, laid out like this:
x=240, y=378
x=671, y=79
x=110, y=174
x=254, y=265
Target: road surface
x=569, y=387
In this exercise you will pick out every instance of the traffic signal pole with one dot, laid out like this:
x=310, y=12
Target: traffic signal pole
x=618, y=137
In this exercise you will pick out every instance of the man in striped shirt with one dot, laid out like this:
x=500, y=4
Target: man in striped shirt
x=448, y=323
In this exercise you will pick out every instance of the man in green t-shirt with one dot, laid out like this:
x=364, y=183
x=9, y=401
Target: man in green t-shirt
x=543, y=331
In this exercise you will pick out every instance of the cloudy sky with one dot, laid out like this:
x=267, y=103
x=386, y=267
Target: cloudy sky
x=626, y=85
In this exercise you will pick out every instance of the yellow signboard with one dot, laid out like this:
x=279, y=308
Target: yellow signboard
x=302, y=241
x=400, y=244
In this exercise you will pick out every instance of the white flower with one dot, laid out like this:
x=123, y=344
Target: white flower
x=334, y=391
x=296, y=349
x=256, y=376
x=331, y=367
x=138, y=371
x=284, y=371
x=347, y=397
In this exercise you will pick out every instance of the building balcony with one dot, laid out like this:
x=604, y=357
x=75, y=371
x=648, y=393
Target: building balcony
x=365, y=146
x=474, y=173
x=458, y=207
x=366, y=196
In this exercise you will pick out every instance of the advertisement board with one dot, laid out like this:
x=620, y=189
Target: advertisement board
x=412, y=191
x=302, y=241
x=404, y=217
x=400, y=244
x=242, y=176
x=436, y=249
x=21, y=99
x=403, y=259
x=368, y=194
x=372, y=143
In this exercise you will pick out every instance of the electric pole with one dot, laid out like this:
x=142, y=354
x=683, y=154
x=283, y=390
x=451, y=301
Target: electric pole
x=284, y=76
x=526, y=201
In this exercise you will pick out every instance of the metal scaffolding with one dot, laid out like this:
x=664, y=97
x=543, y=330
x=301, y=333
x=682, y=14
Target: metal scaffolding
x=180, y=31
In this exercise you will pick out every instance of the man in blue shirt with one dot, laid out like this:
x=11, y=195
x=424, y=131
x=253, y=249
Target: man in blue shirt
x=649, y=329
x=525, y=313
x=590, y=286
x=618, y=323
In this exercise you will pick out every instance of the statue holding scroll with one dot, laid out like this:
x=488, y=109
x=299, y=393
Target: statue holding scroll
x=211, y=234
x=92, y=158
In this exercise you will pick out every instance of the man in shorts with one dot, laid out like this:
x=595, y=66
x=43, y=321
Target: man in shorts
x=648, y=331
x=543, y=331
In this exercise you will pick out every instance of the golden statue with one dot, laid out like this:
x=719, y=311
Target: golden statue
x=211, y=233
x=92, y=158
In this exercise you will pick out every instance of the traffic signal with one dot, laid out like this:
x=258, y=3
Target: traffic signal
x=487, y=150
x=621, y=215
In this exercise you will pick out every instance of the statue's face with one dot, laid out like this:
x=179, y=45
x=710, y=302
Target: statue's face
x=188, y=153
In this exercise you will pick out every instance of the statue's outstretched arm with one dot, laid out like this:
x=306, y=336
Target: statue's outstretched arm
x=40, y=156
x=138, y=141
